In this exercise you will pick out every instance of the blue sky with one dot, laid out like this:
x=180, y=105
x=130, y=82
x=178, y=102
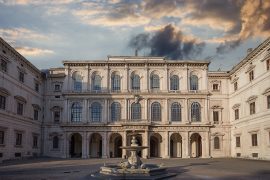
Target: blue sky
x=49, y=31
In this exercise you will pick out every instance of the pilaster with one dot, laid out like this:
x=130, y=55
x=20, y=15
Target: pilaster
x=166, y=144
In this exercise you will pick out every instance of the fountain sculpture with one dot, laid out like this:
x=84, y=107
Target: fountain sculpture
x=133, y=168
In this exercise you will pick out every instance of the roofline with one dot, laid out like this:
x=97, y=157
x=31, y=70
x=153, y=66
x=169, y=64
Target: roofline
x=131, y=61
x=250, y=55
x=20, y=56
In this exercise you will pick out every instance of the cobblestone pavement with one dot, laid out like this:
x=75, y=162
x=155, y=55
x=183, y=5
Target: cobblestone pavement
x=48, y=168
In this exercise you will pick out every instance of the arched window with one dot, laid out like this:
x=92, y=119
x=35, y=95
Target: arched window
x=174, y=82
x=194, y=82
x=115, y=111
x=195, y=112
x=136, y=111
x=155, y=112
x=216, y=143
x=135, y=82
x=77, y=78
x=116, y=82
x=96, y=111
x=154, y=81
x=55, y=142
x=176, y=112
x=96, y=82
x=76, y=112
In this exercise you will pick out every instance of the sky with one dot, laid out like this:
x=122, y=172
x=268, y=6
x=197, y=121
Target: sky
x=47, y=32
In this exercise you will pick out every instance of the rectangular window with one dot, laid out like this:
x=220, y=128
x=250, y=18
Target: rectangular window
x=215, y=117
x=35, y=141
x=236, y=114
x=251, y=75
x=215, y=87
x=2, y=137
x=254, y=140
x=268, y=64
x=37, y=87
x=268, y=102
x=235, y=86
x=19, y=108
x=2, y=102
x=3, y=66
x=21, y=76
x=238, y=142
x=56, y=115
x=18, y=139
x=35, y=114
x=57, y=87
x=252, y=108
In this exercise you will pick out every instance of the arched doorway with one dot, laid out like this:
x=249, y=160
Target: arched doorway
x=115, y=144
x=75, y=145
x=95, y=146
x=175, y=145
x=195, y=145
x=139, y=141
x=155, y=145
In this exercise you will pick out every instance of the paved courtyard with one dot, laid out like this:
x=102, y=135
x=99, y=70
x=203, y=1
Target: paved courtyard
x=47, y=168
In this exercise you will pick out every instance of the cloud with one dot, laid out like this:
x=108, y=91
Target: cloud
x=18, y=36
x=13, y=34
x=169, y=42
x=113, y=13
x=28, y=51
x=34, y=2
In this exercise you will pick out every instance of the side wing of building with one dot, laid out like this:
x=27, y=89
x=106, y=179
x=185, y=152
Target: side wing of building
x=21, y=105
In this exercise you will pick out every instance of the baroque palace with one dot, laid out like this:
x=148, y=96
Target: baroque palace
x=181, y=109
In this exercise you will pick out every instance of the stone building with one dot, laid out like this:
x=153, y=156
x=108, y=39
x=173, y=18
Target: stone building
x=181, y=109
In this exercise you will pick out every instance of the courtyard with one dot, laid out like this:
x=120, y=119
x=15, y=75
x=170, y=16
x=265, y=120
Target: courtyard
x=218, y=168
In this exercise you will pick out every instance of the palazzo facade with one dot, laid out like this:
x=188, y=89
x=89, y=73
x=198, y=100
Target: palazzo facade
x=181, y=109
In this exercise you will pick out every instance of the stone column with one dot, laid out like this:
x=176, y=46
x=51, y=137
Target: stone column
x=185, y=145
x=66, y=141
x=166, y=80
x=66, y=112
x=104, y=145
x=205, y=143
x=88, y=135
x=124, y=143
x=146, y=109
x=166, y=144
x=186, y=112
x=84, y=112
x=206, y=118
x=84, y=144
x=145, y=153
x=105, y=112
x=165, y=118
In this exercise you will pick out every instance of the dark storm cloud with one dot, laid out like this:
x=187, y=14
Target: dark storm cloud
x=228, y=46
x=168, y=42
x=140, y=41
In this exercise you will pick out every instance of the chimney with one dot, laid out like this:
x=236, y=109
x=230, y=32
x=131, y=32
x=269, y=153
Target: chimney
x=249, y=50
x=136, y=52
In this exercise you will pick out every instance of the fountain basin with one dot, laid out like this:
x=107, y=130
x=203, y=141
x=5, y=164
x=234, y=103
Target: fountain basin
x=151, y=171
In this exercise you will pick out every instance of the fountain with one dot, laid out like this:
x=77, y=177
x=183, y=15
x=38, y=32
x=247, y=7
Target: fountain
x=133, y=168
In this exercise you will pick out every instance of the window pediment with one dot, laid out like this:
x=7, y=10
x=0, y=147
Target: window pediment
x=234, y=80
x=4, y=92
x=236, y=106
x=36, y=106
x=267, y=91
x=217, y=134
x=20, y=98
x=216, y=107
x=56, y=108
x=251, y=67
x=252, y=98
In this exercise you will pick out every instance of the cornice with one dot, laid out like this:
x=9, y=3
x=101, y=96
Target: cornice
x=20, y=57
